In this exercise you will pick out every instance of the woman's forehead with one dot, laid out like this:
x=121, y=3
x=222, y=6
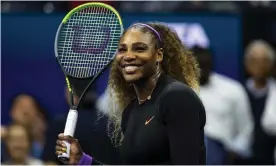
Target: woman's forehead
x=135, y=35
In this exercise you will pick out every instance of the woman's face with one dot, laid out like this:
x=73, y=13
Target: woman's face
x=137, y=56
x=18, y=143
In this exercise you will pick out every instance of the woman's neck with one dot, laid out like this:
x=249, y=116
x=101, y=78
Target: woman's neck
x=145, y=88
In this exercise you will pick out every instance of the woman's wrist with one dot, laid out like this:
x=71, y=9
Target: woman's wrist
x=85, y=160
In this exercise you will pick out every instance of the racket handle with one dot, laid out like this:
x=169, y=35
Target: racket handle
x=69, y=130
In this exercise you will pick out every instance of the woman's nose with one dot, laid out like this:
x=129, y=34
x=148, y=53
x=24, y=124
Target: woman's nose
x=129, y=56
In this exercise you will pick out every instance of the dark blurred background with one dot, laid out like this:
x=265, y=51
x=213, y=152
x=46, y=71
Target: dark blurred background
x=29, y=68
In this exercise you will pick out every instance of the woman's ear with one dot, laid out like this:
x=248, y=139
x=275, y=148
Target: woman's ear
x=160, y=53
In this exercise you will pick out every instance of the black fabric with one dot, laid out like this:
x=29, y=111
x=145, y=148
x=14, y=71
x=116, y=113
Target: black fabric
x=175, y=133
x=168, y=129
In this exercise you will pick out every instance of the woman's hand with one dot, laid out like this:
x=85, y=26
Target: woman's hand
x=75, y=150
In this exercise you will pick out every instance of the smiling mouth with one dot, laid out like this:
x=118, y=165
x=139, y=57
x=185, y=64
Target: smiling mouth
x=131, y=68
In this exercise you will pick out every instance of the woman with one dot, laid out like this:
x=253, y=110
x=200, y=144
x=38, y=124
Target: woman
x=160, y=116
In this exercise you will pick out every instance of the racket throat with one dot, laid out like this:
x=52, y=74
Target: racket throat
x=72, y=102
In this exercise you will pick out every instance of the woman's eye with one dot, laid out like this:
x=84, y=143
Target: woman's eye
x=140, y=49
x=121, y=50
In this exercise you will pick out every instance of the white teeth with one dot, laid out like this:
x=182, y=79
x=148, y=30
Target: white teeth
x=130, y=68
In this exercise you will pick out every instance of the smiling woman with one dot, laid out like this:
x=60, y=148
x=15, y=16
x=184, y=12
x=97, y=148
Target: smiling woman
x=135, y=55
x=152, y=85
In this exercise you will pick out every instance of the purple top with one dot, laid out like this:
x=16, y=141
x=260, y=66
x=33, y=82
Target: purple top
x=85, y=160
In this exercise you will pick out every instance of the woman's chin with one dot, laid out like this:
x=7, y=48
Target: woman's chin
x=132, y=78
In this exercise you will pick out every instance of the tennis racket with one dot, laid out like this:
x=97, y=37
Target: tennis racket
x=85, y=44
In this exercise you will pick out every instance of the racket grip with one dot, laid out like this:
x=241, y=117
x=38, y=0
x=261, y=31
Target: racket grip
x=69, y=130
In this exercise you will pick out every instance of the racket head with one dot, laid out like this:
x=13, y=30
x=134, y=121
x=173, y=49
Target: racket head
x=87, y=40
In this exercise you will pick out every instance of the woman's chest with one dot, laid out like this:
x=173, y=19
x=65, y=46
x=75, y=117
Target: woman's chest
x=145, y=136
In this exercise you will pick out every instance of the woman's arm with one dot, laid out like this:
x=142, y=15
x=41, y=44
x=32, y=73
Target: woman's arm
x=184, y=117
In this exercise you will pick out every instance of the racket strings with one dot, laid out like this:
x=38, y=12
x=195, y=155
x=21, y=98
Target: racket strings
x=88, y=41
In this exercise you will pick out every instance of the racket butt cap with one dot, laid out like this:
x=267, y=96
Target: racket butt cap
x=63, y=158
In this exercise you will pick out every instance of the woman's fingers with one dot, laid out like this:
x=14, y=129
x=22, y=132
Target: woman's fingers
x=61, y=143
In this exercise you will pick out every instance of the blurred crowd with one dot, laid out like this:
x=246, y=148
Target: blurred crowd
x=241, y=117
x=240, y=125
